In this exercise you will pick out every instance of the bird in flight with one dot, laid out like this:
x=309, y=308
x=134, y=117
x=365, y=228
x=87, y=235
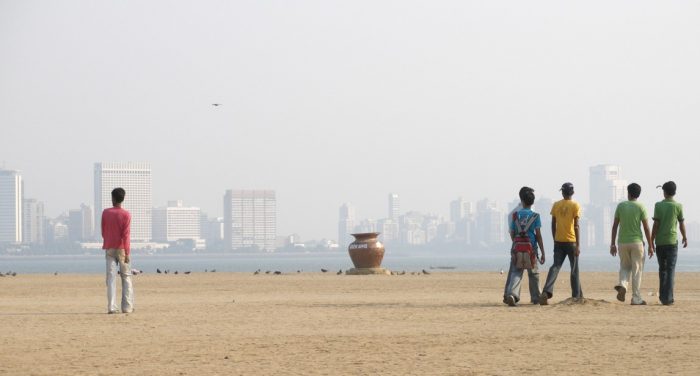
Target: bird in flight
x=216, y=104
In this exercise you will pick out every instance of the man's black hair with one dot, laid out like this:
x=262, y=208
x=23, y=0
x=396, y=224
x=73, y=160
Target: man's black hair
x=634, y=190
x=524, y=190
x=118, y=195
x=528, y=197
x=669, y=188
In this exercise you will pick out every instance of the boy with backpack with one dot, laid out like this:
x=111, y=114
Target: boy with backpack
x=527, y=239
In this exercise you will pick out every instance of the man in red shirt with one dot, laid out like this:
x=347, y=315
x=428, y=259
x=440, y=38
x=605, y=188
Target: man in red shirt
x=116, y=223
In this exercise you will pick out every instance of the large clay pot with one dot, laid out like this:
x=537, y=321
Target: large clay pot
x=366, y=251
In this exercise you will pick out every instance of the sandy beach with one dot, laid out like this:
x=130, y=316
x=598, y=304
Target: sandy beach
x=328, y=324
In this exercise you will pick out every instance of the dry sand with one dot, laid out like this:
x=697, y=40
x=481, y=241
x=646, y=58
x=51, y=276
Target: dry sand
x=314, y=323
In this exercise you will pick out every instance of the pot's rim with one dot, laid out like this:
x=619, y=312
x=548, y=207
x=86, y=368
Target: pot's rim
x=366, y=234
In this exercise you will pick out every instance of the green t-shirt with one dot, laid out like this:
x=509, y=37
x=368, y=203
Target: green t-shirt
x=631, y=214
x=668, y=213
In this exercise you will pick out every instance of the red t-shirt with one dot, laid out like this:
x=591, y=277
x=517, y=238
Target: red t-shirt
x=116, y=224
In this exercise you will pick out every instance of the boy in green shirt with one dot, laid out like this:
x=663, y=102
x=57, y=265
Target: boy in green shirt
x=668, y=214
x=629, y=215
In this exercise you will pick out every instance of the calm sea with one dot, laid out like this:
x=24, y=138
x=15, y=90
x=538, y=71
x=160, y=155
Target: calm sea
x=688, y=260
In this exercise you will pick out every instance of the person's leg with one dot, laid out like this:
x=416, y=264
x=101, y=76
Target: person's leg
x=505, y=288
x=636, y=256
x=661, y=259
x=559, y=256
x=576, y=291
x=516, y=277
x=127, y=287
x=671, y=257
x=533, y=279
x=624, y=252
x=111, y=266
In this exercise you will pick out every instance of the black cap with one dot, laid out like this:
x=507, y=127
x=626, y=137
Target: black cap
x=567, y=187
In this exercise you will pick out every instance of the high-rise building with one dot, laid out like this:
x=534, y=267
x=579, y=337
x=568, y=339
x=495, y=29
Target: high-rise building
x=135, y=178
x=176, y=222
x=212, y=231
x=607, y=189
x=10, y=206
x=462, y=215
x=394, y=206
x=250, y=220
x=606, y=186
x=346, y=224
x=389, y=230
x=490, y=223
x=81, y=224
x=33, y=231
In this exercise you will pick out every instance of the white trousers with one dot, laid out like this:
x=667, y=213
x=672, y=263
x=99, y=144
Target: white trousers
x=115, y=258
x=631, y=268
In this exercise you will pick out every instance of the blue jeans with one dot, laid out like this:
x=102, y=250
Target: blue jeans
x=667, y=256
x=515, y=277
x=561, y=252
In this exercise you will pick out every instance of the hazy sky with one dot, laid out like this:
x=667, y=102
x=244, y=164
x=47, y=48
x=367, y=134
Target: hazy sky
x=329, y=101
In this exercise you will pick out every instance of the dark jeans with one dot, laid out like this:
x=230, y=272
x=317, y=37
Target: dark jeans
x=666, y=255
x=561, y=252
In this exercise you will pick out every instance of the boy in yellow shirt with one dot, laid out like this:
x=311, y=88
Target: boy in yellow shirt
x=565, y=214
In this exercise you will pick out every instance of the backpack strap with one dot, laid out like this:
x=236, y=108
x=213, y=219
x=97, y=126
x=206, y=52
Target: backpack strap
x=518, y=229
x=530, y=221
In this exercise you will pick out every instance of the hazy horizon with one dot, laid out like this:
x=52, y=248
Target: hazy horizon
x=329, y=102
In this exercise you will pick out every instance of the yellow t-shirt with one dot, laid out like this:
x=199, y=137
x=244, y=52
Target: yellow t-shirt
x=564, y=212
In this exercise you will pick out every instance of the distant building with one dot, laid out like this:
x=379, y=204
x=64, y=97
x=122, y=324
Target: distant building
x=346, y=224
x=606, y=185
x=176, y=222
x=365, y=226
x=81, y=224
x=135, y=178
x=57, y=230
x=212, y=231
x=33, y=221
x=394, y=206
x=490, y=223
x=607, y=189
x=389, y=229
x=11, y=191
x=462, y=215
x=412, y=231
x=250, y=220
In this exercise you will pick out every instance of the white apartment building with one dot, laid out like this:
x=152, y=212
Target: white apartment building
x=394, y=206
x=176, y=222
x=33, y=231
x=346, y=224
x=135, y=178
x=10, y=206
x=250, y=219
x=606, y=186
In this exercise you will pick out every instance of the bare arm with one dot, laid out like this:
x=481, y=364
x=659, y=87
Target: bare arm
x=554, y=227
x=538, y=235
x=613, y=248
x=578, y=242
x=647, y=234
x=654, y=231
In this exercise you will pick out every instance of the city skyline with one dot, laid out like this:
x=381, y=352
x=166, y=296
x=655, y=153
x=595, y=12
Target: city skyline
x=607, y=188
x=328, y=104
